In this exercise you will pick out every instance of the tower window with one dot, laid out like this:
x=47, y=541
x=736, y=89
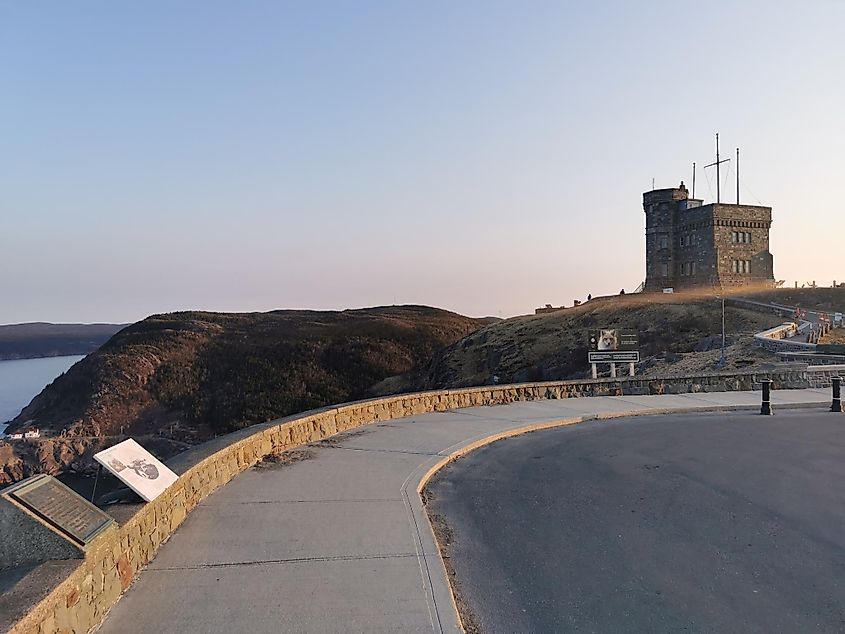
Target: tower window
x=686, y=268
x=741, y=266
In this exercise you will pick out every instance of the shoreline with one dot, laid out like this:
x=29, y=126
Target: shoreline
x=55, y=355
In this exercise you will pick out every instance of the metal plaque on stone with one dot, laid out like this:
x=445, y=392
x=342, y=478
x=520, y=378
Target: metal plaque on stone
x=62, y=508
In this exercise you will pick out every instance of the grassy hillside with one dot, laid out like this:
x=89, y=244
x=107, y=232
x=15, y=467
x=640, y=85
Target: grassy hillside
x=835, y=336
x=824, y=299
x=553, y=346
x=208, y=373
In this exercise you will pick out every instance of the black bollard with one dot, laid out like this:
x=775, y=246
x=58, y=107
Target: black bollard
x=836, y=406
x=766, y=409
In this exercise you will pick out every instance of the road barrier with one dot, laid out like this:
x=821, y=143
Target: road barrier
x=766, y=407
x=836, y=405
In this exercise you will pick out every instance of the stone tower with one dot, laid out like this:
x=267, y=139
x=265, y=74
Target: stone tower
x=690, y=244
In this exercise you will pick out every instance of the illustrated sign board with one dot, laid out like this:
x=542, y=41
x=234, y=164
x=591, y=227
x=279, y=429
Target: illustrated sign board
x=614, y=346
x=137, y=468
x=62, y=508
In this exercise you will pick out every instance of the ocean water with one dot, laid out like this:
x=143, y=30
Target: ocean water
x=21, y=380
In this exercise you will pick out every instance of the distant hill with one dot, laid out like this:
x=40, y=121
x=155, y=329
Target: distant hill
x=37, y=340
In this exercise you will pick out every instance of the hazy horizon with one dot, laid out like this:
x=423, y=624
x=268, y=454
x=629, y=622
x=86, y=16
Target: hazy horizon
x=478, y=157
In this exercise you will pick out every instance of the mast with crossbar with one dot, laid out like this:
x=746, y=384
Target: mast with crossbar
x=717, y=164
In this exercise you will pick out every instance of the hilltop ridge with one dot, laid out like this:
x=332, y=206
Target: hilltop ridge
x=192, y=375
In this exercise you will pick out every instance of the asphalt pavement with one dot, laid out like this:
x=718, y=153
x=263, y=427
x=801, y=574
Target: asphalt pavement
x=696, y=522
x=338, y=540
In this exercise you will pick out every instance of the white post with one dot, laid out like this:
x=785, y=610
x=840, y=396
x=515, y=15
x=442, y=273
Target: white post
x=595, y=372
x=612, y=370
x=631, y=369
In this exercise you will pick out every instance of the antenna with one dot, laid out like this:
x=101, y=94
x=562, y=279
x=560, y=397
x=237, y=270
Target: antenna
x=737, y=176
x=693, y=179
x=718, y=180
x=717, y=164
x=652, y=184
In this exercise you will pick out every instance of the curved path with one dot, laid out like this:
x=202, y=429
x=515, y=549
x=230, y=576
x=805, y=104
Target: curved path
x=338, y=541
x=702, y=522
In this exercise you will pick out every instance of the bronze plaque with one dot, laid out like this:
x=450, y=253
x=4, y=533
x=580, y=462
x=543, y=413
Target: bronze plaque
x=61, y=507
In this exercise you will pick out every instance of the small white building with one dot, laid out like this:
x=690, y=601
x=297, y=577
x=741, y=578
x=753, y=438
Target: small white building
x=32, y=433
x=16, y=436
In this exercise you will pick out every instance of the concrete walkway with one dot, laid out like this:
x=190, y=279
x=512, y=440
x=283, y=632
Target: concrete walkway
x=338, y=540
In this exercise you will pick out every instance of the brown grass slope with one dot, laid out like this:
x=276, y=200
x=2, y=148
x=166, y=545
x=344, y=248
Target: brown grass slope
x=822, y=299
x=553, y=346
x=209, y=373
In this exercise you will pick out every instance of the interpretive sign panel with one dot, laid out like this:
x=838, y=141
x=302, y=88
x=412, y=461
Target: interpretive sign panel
x=60, y=507
x=137, y=468
x=614, y=346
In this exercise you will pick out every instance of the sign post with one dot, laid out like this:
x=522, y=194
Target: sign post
x=614, y=346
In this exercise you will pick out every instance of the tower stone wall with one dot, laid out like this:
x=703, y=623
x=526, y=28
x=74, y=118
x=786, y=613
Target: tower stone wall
x=689, y=244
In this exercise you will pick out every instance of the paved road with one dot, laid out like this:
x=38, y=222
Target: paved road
x=706, y=522
x=339, y=542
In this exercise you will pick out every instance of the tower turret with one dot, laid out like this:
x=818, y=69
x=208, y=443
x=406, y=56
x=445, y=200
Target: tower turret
x=661, y=208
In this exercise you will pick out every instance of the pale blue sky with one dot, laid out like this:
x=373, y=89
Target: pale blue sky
x=485, y=157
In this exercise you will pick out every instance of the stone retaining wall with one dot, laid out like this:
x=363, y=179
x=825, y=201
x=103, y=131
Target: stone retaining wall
x=820, y=376
x=80, y=599
x=778, y=339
